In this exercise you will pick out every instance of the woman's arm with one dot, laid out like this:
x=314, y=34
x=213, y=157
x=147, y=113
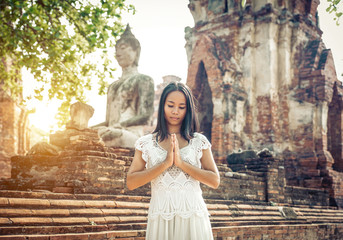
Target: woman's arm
x=138, y=175
x=208, y=174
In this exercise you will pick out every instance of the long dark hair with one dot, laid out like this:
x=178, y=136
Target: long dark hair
x=190, y=123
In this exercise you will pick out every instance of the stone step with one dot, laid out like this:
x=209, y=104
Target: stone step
x=69, y=196
x=124, y=235
x=31, y=213
x=229, y=213
x=99, y=214
x=130, y=198
x=31, y=221
x=312, y=211
x=43, y=230
x=91, y=212
x=324, y=214
x=30, y=207
x=74, y=208
x=218, y=224
x=64, y=203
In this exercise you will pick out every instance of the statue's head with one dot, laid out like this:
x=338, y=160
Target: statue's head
x=127, y=38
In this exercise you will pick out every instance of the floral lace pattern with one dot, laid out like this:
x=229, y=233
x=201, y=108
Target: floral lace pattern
x=174, y=192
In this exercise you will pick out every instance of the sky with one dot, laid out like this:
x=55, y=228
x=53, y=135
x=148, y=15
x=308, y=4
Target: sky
x=159, y=26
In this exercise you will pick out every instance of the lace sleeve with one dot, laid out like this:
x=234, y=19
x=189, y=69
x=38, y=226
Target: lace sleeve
x=141, y=145
x=204, y=143
x=201, y=143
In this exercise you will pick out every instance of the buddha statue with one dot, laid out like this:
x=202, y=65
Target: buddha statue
x=130, y=99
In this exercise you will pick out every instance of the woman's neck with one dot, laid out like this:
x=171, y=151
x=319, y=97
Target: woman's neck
x=176, y=130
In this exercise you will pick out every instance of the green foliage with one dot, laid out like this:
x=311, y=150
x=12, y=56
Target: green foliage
x=52, y=39
x=333, y=8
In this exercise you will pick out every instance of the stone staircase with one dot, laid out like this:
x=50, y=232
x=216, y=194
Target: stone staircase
x=32, y=213
x=45, y=215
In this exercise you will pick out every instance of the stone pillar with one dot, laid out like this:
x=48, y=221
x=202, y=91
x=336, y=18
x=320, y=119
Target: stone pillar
x=14, y=132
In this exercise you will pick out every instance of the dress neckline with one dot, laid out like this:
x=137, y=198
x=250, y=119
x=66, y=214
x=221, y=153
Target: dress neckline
x=160, y=147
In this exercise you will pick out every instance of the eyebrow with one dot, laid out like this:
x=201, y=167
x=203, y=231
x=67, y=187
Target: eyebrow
x=174, y=102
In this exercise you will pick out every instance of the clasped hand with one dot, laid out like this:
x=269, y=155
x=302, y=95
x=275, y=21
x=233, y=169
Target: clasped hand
x=173, y=157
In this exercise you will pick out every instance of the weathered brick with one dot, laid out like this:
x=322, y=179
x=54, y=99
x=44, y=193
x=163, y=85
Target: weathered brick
x=31, y=220
x=13, y=237
x=86, y=212
x=100, y=204
x=15, y=212
x=50, y=212
x=67, y=203
x=70, y=220
x=69, y=237
x=28, y=202
x=37, y=237
x=122, y=234
x=5, y=221
x=4, y=202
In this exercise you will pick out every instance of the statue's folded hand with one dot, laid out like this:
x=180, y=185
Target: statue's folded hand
x=116, y=125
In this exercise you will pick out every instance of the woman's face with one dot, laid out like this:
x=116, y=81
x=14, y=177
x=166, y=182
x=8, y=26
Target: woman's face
x=175, y=108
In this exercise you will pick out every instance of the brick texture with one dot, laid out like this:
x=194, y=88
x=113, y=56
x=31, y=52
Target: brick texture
x=273, y=85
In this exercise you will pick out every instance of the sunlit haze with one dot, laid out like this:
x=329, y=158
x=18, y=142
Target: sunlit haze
x=159, y=26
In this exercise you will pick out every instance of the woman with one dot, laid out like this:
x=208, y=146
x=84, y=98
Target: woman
x=175, y=158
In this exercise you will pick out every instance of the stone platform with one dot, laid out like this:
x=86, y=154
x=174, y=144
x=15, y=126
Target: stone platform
x=45, y=215
x=80, y=193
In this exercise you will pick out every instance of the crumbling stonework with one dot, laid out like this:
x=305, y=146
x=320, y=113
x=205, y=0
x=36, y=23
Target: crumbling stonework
x=75, y=187
x=264, y=79
x=74, y=161
x=79, y=163
x=14, y=131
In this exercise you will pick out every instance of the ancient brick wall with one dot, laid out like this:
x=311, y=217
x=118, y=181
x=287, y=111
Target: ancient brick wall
x=251, y=59
x=262, y=178
x=271, y=84
x=238, y=186
x=76, y=161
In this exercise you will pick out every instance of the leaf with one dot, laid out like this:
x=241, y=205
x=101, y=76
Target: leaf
x=51, y=38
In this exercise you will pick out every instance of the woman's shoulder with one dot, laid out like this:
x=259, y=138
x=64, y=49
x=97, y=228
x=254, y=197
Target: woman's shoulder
x=201, y=140
x=143, y=141
x=146, y=137
x=199, y=135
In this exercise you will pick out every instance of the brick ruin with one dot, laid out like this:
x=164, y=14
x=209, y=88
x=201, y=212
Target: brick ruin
x=74, y=161
x=264, y=79
x=275, y=127
x=74, y=188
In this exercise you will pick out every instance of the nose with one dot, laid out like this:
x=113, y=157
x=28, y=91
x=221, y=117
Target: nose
x=175, y=110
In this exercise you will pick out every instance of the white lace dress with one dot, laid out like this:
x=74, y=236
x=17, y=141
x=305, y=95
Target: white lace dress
x=177, y=209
